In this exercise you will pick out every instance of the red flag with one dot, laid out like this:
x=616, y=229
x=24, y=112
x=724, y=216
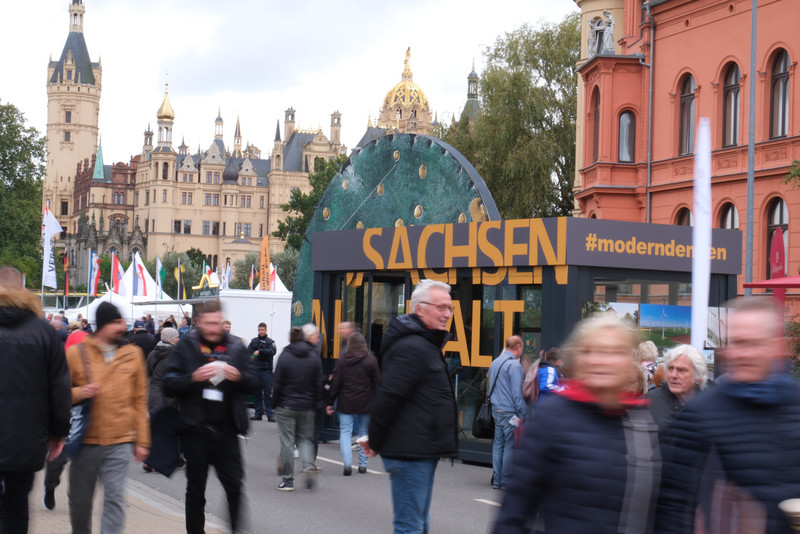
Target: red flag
x=66, y=274
x=116, y=272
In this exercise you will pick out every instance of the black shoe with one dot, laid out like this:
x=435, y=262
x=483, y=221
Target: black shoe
x=256, y=418
x=362, y=469
x=147, y=468
x=271, y=419
x=347, y=471
x=286, y=485
x=49, y=500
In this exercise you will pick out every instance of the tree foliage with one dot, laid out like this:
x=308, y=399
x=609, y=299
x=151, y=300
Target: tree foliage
x=240, y=275
x=302, y=205
x=22, y=168
x=286, y=264
x=523, y=140
x=793, y=178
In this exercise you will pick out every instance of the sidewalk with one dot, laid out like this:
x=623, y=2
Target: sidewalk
x=148, y=511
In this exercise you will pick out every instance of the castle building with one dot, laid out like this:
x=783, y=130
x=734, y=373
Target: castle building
x=73, y=110
x=649, y=72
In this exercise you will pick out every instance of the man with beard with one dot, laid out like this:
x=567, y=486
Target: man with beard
x=114, y=375
x=209, y=372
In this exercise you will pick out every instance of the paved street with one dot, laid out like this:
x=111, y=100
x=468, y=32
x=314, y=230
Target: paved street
x=463, y=501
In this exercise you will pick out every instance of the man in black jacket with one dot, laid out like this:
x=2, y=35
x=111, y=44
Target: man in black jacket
x=747, y=427
x=414, y=418
x=36, y=388
x=209, y=372
x=262, y=349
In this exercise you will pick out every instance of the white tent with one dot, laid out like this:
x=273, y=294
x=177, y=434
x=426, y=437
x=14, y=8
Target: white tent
x=148, y=289
x=131, y=311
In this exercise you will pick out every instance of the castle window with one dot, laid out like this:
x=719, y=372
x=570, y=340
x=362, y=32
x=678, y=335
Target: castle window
x=215, y=228
x=68, y=117
x=260, y=230
x=69, y=74
x=261, y=202
x=184, y=197
x=686, y=138
x=215, y=199
x=627, y=136
x=730, y=107
x=64, y=207
x=685, y=218
x=248, y=200
x=67, y=136
x=177, y=226
x=187, y=227
x=190, y=198
x=185, y=177
x=208, y=199
x=206, y=227
x=216, y=177
x=164, y=196
x=208, y=177
x=164, y=171
x=247, y=227
x=596, y=126
x=779, y=96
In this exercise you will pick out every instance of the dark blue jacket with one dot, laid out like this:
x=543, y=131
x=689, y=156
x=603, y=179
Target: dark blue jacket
x=755, y=439
x=297, y=380
x=414, y=415
x=570, y=469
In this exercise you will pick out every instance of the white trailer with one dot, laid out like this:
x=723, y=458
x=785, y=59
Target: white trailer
x=245, y=309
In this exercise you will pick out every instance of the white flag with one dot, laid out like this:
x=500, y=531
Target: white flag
x=50, y=227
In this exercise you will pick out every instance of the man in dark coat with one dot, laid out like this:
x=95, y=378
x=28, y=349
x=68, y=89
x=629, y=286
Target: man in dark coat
x=414, y=418
x=35, y=397
x=750, y=423
x=210, y=372
x=262, y=349
x=145, y=341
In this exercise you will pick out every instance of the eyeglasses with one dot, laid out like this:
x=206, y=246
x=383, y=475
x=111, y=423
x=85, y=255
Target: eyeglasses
x=441, y=308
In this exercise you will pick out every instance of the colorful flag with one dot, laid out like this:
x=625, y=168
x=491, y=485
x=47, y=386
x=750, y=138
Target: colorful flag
x=66, y=274
x=253, y=276
x=139, y=279
x=94, y=273
x=228, y=274
x=206, y=269
x=160, y=275
x=179, y=278
x=116, y=273
x=50, y=227
x=272, y=274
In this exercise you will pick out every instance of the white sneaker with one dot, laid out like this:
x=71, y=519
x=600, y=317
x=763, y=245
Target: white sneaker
x=296, y=453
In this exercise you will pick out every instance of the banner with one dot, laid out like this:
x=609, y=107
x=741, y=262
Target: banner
x=179, y=278
x=265, y=264
x=139, y=279
x=66, y=274
x=253, y=275
x=116, y=273
x=50, y=228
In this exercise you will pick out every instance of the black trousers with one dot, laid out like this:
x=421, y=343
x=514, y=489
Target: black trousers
x=14, y=489
x=219, y=448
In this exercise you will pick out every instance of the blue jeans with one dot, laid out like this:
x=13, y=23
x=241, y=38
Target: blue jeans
x=502, y=446
x=412, y=489
x=345, y=431
x=262, y=404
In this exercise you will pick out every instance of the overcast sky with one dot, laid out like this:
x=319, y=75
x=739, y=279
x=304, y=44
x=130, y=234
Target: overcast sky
x=256, y=58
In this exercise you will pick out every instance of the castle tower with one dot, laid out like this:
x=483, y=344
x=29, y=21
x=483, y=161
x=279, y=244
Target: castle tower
x=472, y=106
x=277, y=149
x=166, y=118
x=336, y=129
x=73, y=112
x=218, y=122
x=288, y=124
x=237, y=141
x=405, y=108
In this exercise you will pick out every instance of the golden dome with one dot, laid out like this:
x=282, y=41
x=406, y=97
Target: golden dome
x=165, y=111
x=406, y=93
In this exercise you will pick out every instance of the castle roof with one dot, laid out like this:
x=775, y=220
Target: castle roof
x=293, y=151
x=76, y=46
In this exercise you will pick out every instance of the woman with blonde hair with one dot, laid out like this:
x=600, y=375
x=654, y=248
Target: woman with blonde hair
x=595, y=464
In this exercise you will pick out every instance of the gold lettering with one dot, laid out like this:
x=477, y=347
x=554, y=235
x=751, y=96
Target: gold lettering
x=680, y=250
x=508, y=308
x=355, y=279
x=400, y=244
x=468, y=251
x=670, y=248
x=540, y=240
x=492, y=279
x=605, y=245
x=562, y=274
x=659, y=249
x=517, y=277
x=713, y=253
x=722, y=253
x=337, y=340
x=433, y=274
x=422, y=261
x=459, y=342
x=641, y=248
x=476, y=276
x=372, y=254
x=486, y=246
x=515, y=249
x=478, y=359
x=689, y=251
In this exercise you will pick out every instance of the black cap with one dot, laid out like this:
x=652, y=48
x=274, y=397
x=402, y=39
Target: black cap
x=105, y=313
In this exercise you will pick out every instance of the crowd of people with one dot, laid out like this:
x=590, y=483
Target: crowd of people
x=630, y=441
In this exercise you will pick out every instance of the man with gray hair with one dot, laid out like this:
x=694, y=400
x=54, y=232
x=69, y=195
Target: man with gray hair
x=687, y=374
x=414, y=417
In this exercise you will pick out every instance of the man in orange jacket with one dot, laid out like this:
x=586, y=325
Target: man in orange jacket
x=114, y=375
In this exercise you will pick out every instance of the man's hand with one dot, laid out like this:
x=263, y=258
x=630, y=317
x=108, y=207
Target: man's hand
x=329, y=410
x=204, y=373
x=140, y=453
x=89, y=390
x=231, y=373
x=367, y=451
x=55, y=446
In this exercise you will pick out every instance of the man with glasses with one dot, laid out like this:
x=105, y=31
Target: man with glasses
x=209, y=372
x=748, y=426
x=414, y=417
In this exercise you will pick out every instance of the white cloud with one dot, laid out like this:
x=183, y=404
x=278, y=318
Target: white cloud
x=256, y=58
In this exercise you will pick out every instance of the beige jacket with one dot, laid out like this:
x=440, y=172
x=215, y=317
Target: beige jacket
x=119, y=410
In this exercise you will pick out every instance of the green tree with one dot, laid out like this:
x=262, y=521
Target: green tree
x=302, y=205
x=196, y=256
x=22, y=168
x=523, y=139
x=286, y=264
x=241, y=270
